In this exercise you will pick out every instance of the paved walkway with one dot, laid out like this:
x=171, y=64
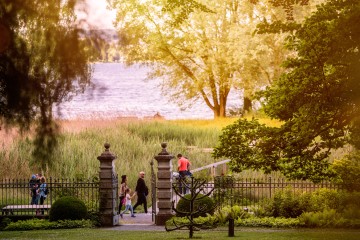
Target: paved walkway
x=142, y=222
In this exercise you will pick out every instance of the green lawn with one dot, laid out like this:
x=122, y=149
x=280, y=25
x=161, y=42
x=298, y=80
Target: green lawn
x=243, y=234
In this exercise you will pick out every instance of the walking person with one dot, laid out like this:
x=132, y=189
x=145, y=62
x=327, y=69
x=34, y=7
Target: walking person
x=141, y=192
x=42, y=192
x=183, y=168
x=123, y=187
x=33, y=185
x=128, y=205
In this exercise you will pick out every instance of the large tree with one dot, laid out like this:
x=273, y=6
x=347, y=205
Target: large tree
x=42, y=62
x=318, y=100
x=199, y=55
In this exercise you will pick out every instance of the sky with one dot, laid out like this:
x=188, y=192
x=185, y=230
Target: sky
x=97, y=15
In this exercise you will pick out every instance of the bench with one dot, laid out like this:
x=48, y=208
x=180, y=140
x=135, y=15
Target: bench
x=10, y=209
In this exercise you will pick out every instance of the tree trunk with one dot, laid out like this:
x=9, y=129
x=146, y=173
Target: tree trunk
x=247, y=105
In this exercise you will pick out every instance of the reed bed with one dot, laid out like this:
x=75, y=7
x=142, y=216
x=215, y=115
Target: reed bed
x=135, y=142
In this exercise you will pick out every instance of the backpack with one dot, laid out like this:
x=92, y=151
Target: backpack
x=46, y=191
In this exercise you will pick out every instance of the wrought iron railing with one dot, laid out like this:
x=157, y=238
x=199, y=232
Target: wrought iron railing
x=249, y=192
x=15, y=194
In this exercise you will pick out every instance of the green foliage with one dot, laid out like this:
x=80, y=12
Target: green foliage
x=290, y=204
x=268, y=222
x=216, y=52
x=234, y=212
x=317, y=99
x=286, y=203
x=42, y=224
x=4, y=223
x=205, y=203
x=68, y=208
x=205, y=221
x=348, y=171
x=241, y=143
x=323, y=199
x=38, y=67
x=325, y=218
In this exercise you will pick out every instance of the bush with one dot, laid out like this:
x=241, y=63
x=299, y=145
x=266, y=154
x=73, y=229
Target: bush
x=202, y=203
x=69, y=208
x=348, y=171
x=233, y=212
x=42, y=224
x=4, y=223
x=286, y=203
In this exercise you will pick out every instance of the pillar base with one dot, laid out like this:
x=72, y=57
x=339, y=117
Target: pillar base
x=161, y=219
x=108, y=220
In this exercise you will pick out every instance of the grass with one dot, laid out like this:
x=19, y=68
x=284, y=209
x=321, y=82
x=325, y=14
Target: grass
x=135, y=143
x=242, y=233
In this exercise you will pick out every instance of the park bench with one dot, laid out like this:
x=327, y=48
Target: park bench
x=10, y=209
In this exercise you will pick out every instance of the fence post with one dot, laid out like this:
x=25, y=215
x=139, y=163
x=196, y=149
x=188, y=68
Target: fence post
x=164, y=186
x=107, y=188
x=270, y=185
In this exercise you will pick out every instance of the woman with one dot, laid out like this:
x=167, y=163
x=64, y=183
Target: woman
x=42, y=192
x=123, y=187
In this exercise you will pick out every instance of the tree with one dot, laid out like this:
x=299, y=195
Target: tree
x=317, y=100
x=204, y=55
x=43, y=63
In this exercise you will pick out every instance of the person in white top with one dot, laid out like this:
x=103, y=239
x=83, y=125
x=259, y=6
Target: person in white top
x=128, y=205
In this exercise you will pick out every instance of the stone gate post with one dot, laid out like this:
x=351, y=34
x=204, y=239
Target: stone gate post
x=108, y=188
x=164, y=186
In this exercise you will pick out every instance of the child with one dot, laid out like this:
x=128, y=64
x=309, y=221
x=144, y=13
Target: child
x=128, y=205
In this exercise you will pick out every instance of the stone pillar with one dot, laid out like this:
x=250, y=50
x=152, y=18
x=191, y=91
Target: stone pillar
x=164, y=186
x=107, y=188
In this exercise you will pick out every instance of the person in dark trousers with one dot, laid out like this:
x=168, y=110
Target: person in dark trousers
x=123, y=187
x=184, y=169
x=141, y=192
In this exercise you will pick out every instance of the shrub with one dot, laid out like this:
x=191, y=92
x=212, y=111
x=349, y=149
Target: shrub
x=203, y=203
x=268, y=222
x=68, y=208
x=348, y=171
x=324, y=198
x=227, y=212
x=4, y=223
x=286, y=203
x=42, y=224
x=326, y=218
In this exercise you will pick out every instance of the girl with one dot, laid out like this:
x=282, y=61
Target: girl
x=128, y=205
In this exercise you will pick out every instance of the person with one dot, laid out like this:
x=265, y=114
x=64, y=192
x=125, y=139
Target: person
x=141, y=192
x=33, y=185
x=123, y=187
x=128, y=206
x=183, y=169
x=42, y=192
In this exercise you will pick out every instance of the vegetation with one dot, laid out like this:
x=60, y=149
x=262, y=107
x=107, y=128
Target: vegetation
x=38, y=67
x=42, y=224
x=204, y=55
x=68, y=208
x=134, y=142
x=202, y=205
x=243, y=233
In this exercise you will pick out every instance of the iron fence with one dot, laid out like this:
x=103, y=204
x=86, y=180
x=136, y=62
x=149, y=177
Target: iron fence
x=15, y=195
x=248, y=192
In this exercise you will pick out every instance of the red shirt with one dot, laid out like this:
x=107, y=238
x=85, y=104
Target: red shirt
x=183, y=164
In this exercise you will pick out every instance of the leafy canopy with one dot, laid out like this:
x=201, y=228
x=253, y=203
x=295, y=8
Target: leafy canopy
x=43, y=62
x=318, y=100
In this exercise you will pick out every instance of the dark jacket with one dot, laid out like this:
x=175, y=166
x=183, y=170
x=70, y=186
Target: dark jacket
x=141, y=187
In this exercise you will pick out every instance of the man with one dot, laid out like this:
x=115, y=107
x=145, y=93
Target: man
x=141, y=192
x=183, y=168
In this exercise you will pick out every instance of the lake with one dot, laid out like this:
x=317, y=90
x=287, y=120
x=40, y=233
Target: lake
x=121, y=91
